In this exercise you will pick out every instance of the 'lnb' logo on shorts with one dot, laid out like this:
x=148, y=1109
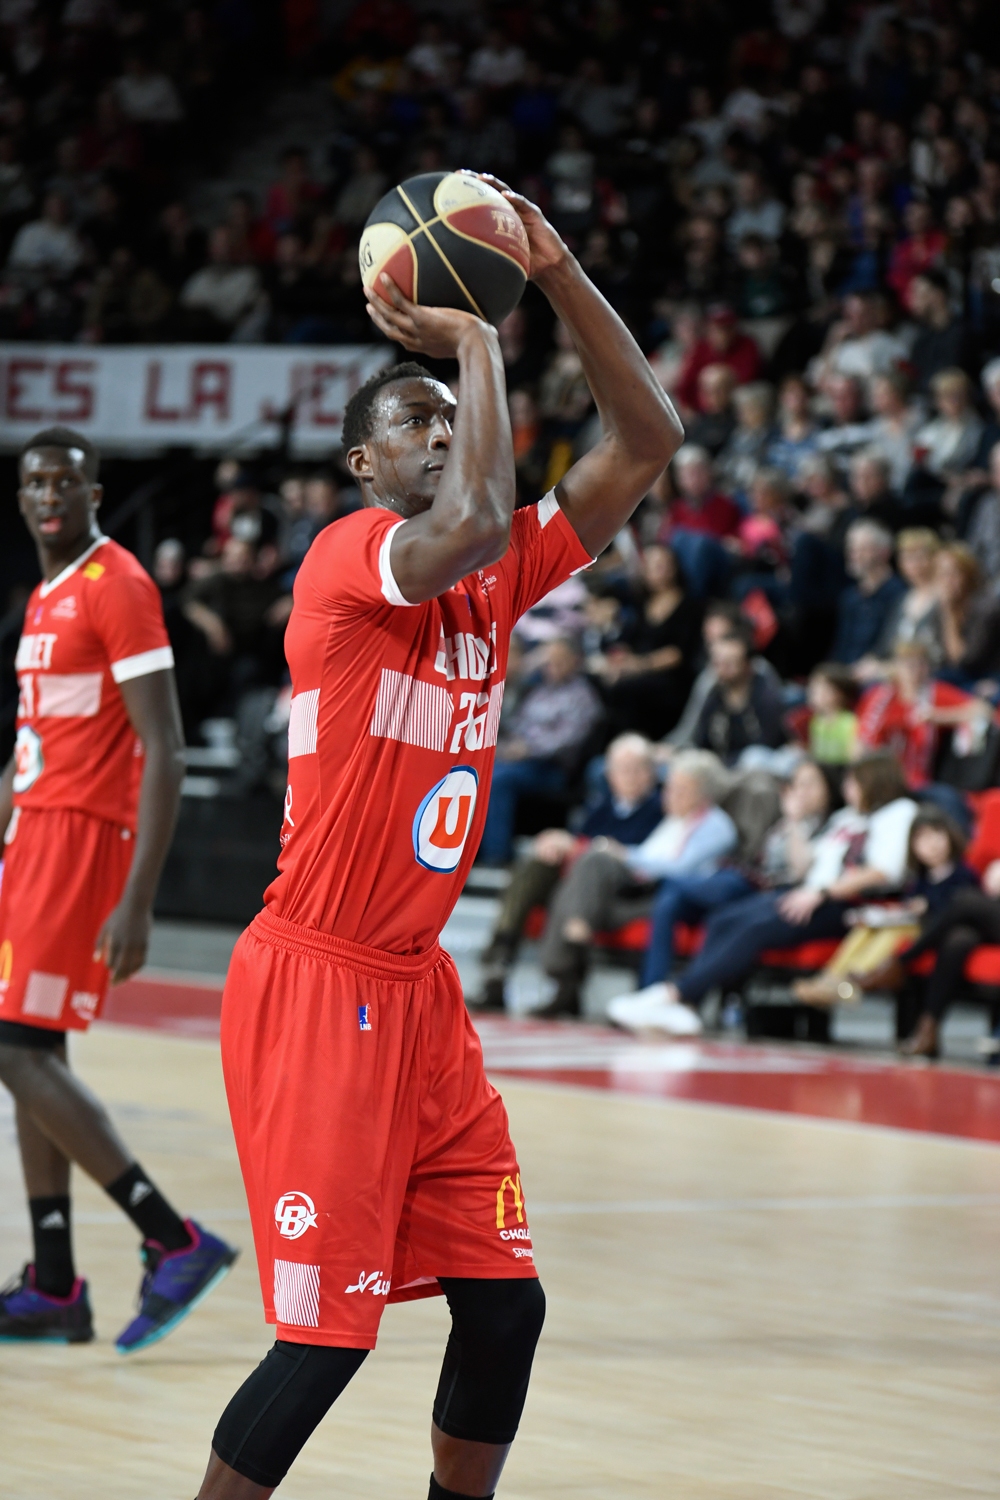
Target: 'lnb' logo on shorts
x=365, y=1017
x=294, y=1213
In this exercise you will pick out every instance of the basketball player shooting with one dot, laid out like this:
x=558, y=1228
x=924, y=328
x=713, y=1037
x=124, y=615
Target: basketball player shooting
x=377, y=1158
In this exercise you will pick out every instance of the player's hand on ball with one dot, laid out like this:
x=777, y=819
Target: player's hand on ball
x=123, y=940
x=435, y=331
x=546, y=247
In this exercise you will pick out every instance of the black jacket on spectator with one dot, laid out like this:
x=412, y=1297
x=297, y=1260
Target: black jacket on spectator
x=729, y=732
x=936, y=349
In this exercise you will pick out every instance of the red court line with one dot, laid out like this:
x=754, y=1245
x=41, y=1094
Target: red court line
x=787, y=1080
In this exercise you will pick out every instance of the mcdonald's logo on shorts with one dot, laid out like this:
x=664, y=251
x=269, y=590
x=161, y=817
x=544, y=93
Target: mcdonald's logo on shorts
x=518, y=1229
x=6, y=963
x=443, y=819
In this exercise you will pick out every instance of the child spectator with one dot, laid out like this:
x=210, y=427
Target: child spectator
x=832, y=695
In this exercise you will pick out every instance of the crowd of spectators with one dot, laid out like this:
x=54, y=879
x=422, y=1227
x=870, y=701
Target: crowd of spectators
x=795, y=205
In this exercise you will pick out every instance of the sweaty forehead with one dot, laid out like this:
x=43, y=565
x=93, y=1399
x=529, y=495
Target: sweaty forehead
x=418, y=395
x=44, y=460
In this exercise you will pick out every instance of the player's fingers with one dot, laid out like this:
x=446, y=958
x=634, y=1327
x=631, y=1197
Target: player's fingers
x=391, y=291
x=393, y=328
x=101, y=947
x=493, y=180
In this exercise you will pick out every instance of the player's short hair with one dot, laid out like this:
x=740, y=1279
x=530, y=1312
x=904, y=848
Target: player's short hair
x=65, y=437
x=359, y=421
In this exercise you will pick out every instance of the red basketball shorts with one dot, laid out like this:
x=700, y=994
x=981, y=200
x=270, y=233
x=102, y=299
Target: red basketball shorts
x=63, y=874
x=376, y=1156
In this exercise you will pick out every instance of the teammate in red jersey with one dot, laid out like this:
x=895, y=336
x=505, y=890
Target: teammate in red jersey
x=377, y=1158
x=88, y=802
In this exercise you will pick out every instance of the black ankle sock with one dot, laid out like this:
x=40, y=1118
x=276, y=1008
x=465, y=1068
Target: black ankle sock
x=438, y=1492
x=54, y=1272
x=148, y=1209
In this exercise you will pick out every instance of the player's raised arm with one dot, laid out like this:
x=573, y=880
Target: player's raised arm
x=641, y=430
x=447, y=472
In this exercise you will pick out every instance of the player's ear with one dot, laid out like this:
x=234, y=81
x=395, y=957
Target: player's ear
x=96, y=495
x=359, y=463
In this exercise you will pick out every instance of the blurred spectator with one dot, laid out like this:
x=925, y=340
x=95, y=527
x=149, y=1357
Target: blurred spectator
x=627, y=813
x=222, y=300
x=697, y=522
x=362, y=190
x=722, y=344
x=646, y=676
x=691, y=842
x=742, y=709
x=832, y=696
x=871, y=497
x=147, y=97
x=242, y=617
x=47, y=247
x=795, y=439
x=541, y=745
x=865, y=607
x=983, y=535
x=859, y=343
x=943, y=340
x=293, y=196
x=749, y=440
x=970, y=618
x=906, y=714
x=948, y=443
x=893, y=429
x=916, y=617
x=757, y=211
x=713, y=427
x=498, y=63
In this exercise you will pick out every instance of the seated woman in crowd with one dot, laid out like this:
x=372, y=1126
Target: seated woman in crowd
x=646, y=676
x=862, y=851
x=937, y=872
x=786, y=855
x=947, y=444
x=743, y=453
x=917, y=616
x=693, y=839
x=970, y=619
x=906, y=716
x=795, y=439
x=627, y=812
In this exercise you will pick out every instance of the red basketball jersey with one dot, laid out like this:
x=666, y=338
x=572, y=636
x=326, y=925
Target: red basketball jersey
x=393, y=728
x=98, y=623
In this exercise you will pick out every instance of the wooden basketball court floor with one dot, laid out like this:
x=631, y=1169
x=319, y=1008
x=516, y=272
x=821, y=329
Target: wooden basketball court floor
x=744, y=1303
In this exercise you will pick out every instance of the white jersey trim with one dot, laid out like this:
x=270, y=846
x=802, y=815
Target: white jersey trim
x=390, y=588
x=547, y=508
x=303, y=723
x=157, y=660
x=45, y=589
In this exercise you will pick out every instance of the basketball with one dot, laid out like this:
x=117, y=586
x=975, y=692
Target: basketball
x=448, y=239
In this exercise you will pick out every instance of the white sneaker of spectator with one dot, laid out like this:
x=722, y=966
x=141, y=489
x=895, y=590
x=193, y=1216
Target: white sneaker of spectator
x=656, y=1008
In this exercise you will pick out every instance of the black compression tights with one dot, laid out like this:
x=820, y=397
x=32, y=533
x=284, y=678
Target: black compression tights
x=484, y=1380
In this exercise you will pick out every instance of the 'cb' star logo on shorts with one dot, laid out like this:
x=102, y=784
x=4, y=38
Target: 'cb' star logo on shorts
x=443, y=820
x=294, y=1213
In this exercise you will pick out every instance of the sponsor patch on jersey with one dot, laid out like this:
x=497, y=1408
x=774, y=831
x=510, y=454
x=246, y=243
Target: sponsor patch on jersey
x=94, y=570
x=443, y=820
x=65, y=609
x=29, y=762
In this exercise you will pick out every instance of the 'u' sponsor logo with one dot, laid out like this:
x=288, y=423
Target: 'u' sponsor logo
x=443, y=820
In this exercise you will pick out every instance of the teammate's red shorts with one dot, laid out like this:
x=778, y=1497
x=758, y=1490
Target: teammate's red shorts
x=376, y=1155
x=63, y=874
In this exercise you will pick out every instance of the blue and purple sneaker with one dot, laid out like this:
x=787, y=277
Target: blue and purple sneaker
x=30, y=1316
x=174, y=1282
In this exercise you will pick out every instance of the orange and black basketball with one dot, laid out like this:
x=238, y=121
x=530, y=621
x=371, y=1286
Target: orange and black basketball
x=448, y=240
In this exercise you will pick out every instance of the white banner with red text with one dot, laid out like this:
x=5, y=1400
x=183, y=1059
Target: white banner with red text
x=216, y=398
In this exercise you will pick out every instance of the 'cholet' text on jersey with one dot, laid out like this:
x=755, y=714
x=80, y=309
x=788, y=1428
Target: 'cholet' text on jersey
x=393, y=728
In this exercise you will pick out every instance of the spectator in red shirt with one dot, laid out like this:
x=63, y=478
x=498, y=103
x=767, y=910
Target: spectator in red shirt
x=698, y=521
x=723, y=344
x=907, y=714
x=293, y=196
x=922, y=246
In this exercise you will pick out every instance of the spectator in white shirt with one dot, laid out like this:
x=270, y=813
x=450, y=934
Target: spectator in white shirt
x=222, y=292
x=756, y=212
x=498, y=63
x=146, y=97
x=47, y=247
